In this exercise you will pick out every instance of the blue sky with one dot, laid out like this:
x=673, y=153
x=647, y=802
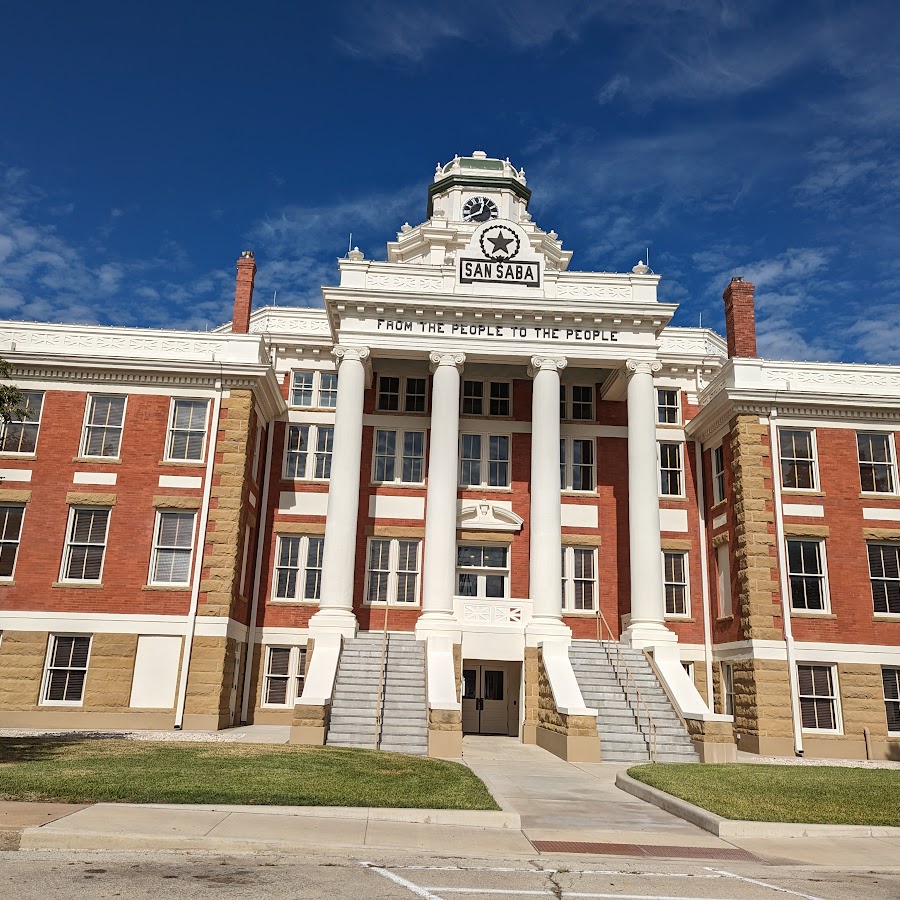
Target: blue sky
x=142, y=146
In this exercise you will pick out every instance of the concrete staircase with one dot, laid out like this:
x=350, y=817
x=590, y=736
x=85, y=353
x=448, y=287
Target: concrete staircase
x=621, y=720
x=404, y=726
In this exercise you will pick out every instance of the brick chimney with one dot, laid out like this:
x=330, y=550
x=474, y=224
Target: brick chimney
x=243, y=293
x=740, y=318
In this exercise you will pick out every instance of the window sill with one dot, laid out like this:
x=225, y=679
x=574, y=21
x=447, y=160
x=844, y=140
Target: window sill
x=878, y=617
x=568, y=492
x=801, y=492
x=184, y=463
x=808, y=614
x=315, y=409
x=380, y=604
x=278, y=601
x=78, y=585
x=686, y=619
x=725, y=618
x=11, y=454
x=483, y=487
x=677, y=497
x=286, y=479
x=717, y=504
x=71, y=704
x=878, y=495
x=815, y=731
x=98, y=460
x=180, y=588
x=579, y=613
x=8, y=584
x=405, y=485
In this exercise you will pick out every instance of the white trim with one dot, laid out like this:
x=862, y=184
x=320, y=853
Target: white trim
x=813, y=449
x=568, y=578
x=82, y=445
x=687, y=584
x=170, y=426
x=881, y=514
x=569, y=453
x=154, y=548
x=823, y=562
x=45, y=678
x=311, y=450
x=399, y=445
x=485, y=461
x=278, y=634
x=67, y=544
x=302, y=567
x=681, y=495
x=862, y=654
x=393, y=573
x=836, y=698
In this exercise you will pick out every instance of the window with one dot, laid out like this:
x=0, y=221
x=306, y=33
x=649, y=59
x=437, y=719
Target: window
x=806, y=569
x=798, y=459
x=876, y=462
x=85, y=545
x=499, y=394
x=308, y=451
x=20, y=434
x=399, y=456
x=576, y=464
x=298, y=567
x=723, y=573
x=676, y=583
x=582, y=396
x=668, y=409
x=484, y=460
x=285, y=670
x=718, y=469
x=579, y=578
x=406, y=394
x=818, y=698
x=884, y=574
x=314, y=390
x=10, y=531
x=728, y=688
x=66, y=669
x=393, y=571
x=173, y=542
x=482, y=570
x=670, y=481
x=891, y=679
x=103, y=426
x=187, y=430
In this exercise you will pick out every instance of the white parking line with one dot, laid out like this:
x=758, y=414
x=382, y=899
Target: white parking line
x=397, y=879
x=771, y=887
x=629, y=872
x=565, y=894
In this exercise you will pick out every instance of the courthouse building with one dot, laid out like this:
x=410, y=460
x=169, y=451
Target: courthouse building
x=477, y=492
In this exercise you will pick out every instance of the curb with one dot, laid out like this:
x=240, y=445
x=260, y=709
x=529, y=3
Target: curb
x=734, y=828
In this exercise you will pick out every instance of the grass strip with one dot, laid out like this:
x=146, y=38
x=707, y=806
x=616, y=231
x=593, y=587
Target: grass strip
x=84, y=770
x=830, y=795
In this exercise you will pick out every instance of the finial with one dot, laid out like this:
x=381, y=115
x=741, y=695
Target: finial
x=640, y=268
x=355, y=254
x=405, y=227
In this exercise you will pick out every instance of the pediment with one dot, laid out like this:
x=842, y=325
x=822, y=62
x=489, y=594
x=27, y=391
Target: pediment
x=484, y=515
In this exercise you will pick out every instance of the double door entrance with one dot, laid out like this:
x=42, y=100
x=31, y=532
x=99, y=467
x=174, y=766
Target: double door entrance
x=489, y=700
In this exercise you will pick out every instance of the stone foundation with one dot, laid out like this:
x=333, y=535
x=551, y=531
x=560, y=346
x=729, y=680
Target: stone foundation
x=309, y=724
x=714, y=741
x=445, y=733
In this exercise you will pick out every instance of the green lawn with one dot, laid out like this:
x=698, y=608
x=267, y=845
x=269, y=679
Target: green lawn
x=78, y=771
x=812, y=794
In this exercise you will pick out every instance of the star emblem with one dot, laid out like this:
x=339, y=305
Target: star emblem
x=503, y=241
x=500, y=243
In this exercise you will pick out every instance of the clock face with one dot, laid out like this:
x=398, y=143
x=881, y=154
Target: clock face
x=479, y=209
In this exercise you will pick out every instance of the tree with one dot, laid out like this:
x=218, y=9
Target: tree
x=11, y=399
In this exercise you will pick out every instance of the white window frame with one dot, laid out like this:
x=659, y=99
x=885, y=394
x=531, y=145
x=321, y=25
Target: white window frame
x=67, y=547
x=157, y=526
x=567, y=402
x=309, y=469
x=170, y=431
x=481, y=572
x=45, y=679
x=892, y=465
x=316, y=390
x=726, y=672
x=662, y=419
x=302, y=568
x=17, y=542
x=567, y=465
x=718, y=474
x=872, y=579
x=17, y=420
x=896, y=676
x=823, y=575
x=725, y=599
x=296, y=676
x=393, y=572
x=835, y=698
x=813, y=449
x=485, y=462
x=568, y=580
x=659, y=470
x=83, y=446
x=486, y=398
x=686, y=583
x=399, y=456
x=402, y=394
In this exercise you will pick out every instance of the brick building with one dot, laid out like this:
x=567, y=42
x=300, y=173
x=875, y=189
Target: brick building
x=476, y=492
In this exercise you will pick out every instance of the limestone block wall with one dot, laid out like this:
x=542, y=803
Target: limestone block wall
x=209, y=682
x=22, y=656
x=762, y=706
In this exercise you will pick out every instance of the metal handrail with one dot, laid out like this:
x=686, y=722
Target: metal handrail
x=618, y=665
x=379, y=697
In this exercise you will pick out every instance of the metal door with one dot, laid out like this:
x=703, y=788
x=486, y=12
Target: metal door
x=485, y=699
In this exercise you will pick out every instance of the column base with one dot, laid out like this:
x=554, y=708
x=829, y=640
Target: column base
x=644, y=635
x=334, y=621
x=541, y=629
x=438, y=624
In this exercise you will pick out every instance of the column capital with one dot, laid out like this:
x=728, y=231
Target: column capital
x=342, y=353
x=643, y=366
x=457, y=360
x=554, y=363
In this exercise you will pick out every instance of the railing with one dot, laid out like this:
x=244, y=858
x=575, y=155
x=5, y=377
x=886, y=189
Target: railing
x=379, y=697
x=619, y=666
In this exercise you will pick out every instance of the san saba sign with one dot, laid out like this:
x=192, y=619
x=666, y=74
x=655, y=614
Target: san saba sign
x=501, y=262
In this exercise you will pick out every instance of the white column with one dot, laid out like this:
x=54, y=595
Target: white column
x=439, y=571
x=545, y=529
x=335, y=612
x=646, y=625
